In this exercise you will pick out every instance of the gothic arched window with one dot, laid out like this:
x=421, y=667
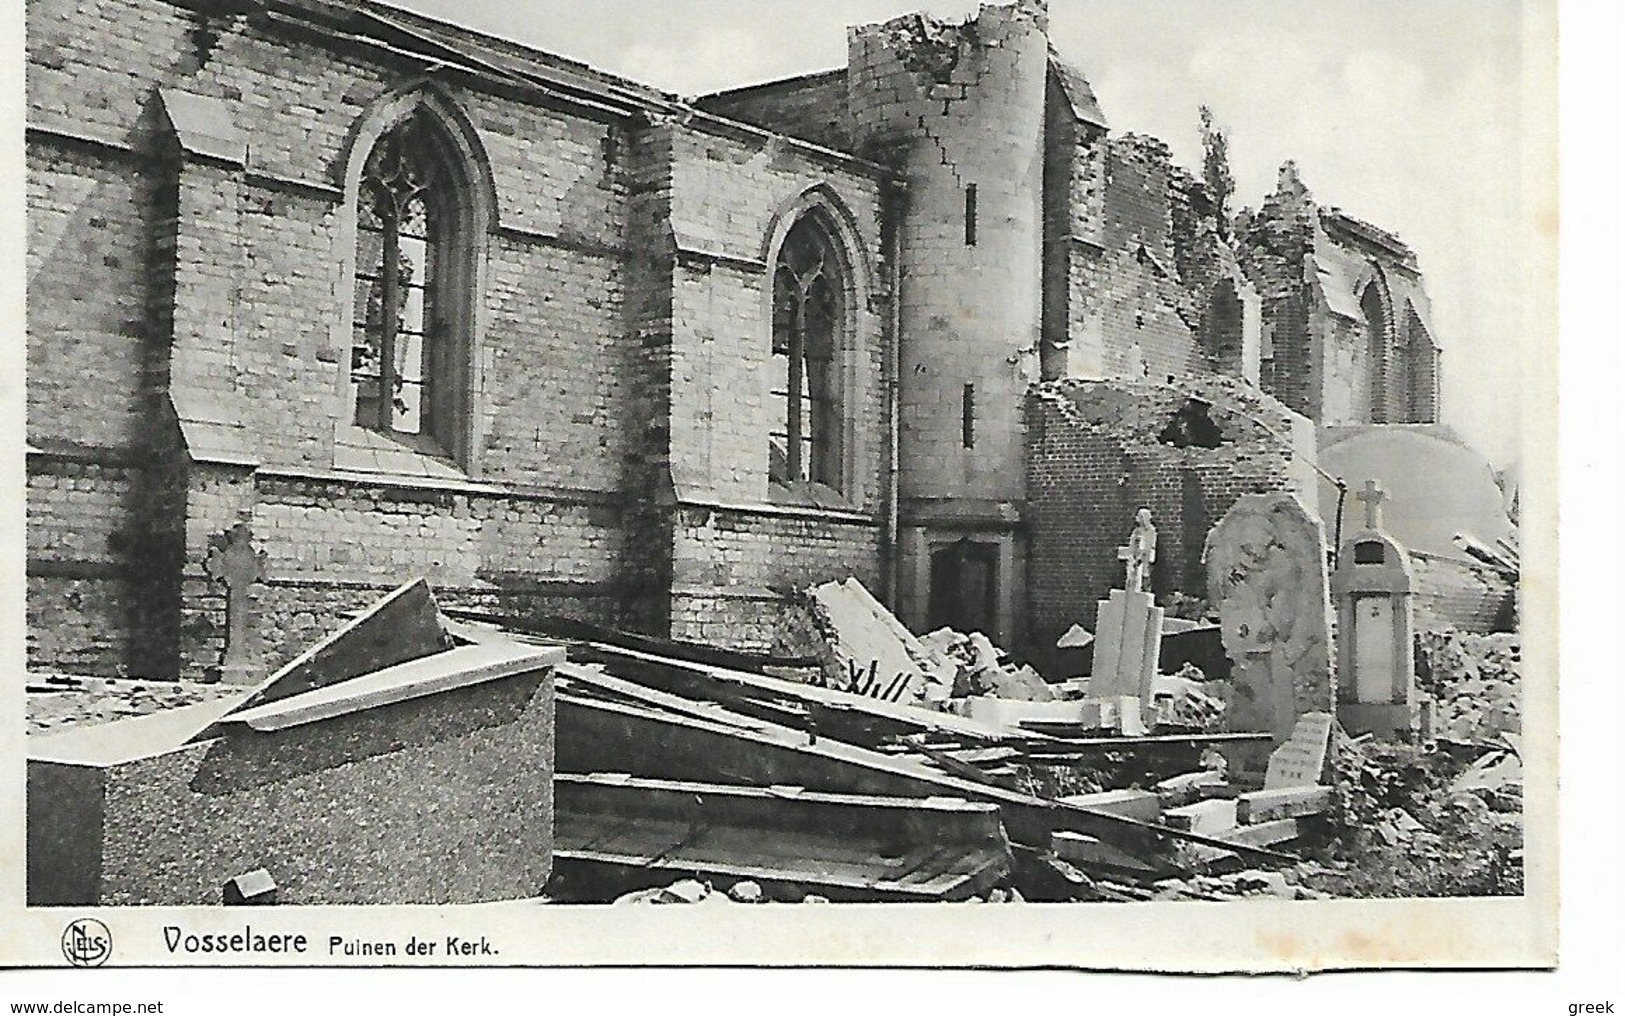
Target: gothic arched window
x=809, y=320
x=410, y=345
x=1378, y=334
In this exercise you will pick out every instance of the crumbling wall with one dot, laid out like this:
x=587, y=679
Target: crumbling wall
x=1328, y=281
x=1146, y=324
x=1458, y=594
x=1100, y=450
x=959, y=108
x=1276, y=243
x=1143, y=264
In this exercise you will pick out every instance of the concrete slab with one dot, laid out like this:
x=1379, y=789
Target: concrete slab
x=1290, y=802
x=1210, y=818
x=1143, y=805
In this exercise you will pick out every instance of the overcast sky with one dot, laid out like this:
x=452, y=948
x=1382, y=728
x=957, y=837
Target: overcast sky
x=1401, y=112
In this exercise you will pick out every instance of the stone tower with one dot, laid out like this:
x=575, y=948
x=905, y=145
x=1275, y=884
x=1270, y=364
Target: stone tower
x=959, y=109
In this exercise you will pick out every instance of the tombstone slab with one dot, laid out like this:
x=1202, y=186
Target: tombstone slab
x=1266, y=570
x=1299, y=761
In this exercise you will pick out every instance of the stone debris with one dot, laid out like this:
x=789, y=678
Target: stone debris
x=1474, y=681
x=1183, y=700
x=870, y=652
x=744, y=787
x=984, y=669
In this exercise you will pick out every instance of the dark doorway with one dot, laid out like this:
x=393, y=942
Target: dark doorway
x=965, y=587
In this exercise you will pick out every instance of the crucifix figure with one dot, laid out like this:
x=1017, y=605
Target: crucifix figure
x=1140, y=553
x=235, y=563
x=1372, y=497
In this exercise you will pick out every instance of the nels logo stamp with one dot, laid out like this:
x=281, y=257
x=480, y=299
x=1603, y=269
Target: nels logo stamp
x=87, y=942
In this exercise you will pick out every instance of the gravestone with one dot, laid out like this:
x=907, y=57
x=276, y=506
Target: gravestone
x=1266, y=570
x=1372, y=585
x=1299, y=761
x=1128, y=623
x=234, y=562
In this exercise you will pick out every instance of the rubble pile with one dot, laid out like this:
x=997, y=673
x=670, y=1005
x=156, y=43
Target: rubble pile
x=981, y=668
x=1182, y=700
x=691, y=774
x=1411, y=820
x=868, y=651
x=1474, y=681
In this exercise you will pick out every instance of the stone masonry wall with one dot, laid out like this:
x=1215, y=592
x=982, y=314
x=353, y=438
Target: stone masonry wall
x=812, y=108
x=80, y=598
x=961, y=105
x=740, y=544
x=737, y=573
x=254, y=282
x=729, y=196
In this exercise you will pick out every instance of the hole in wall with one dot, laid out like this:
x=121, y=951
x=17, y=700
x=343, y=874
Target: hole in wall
x=1192, y=427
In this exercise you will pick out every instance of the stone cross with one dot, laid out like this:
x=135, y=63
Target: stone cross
x=1140, y=553
x=1372, y=497
x=234, y=562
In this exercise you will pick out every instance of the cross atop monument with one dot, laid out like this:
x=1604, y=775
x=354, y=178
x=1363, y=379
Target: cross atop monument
x=237, y=565
x=1373, y=497
x=1140, y=553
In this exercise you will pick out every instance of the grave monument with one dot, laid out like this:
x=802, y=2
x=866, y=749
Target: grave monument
x=1375, y=652
x=1266, y=569
x=1128, y=631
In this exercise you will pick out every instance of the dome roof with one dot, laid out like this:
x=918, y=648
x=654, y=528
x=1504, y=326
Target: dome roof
x=1436, y=485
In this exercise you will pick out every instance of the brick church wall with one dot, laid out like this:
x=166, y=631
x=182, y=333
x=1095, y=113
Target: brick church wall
x=1098, y=451
x=249, y=266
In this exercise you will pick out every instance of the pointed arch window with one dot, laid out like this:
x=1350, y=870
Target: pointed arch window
x=1378, y=329
x=810, y=292
x=411, y=326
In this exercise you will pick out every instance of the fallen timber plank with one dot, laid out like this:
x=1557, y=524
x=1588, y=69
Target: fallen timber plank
x=827, y=711
x=1287, y=802
x=1058, y=744
x=956, y=767
x=848, y=715
x=594, y=735
x=843, y=845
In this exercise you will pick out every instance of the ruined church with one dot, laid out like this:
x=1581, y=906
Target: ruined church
x=324, y=295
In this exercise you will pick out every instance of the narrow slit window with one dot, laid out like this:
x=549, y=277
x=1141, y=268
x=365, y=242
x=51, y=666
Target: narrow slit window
x=967, y=416
x=970, y=215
